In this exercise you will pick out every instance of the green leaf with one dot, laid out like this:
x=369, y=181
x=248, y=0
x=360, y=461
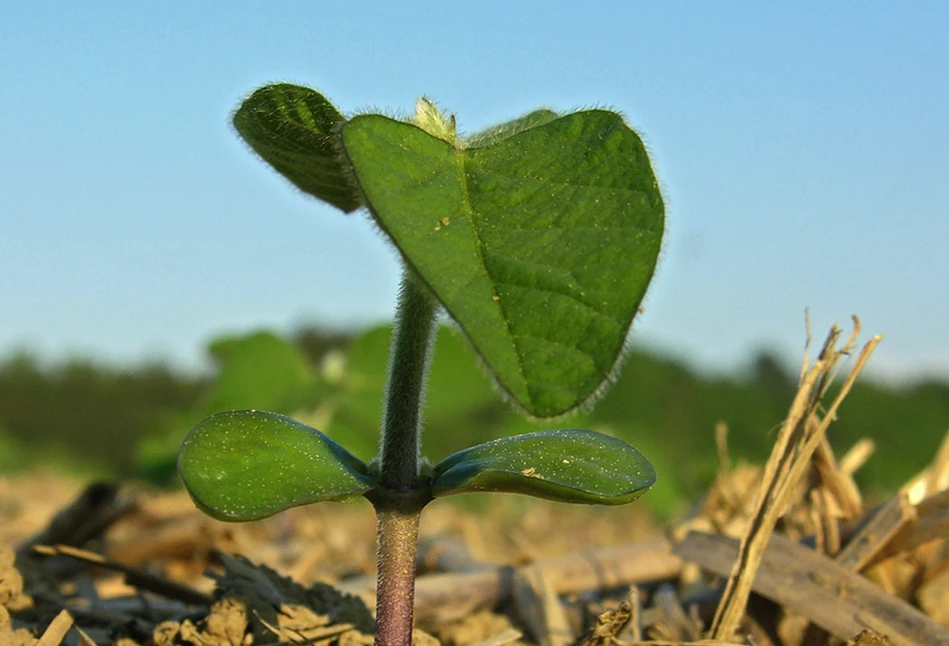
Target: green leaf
x=540, y=243
x=292, y=128
x=508, y=128
x=570, y=465
x=245, y=465
x=290, y=382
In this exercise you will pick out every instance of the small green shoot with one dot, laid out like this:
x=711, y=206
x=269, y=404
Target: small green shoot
x=539, y=237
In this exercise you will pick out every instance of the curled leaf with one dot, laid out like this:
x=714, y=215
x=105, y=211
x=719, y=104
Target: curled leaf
x=292, y=128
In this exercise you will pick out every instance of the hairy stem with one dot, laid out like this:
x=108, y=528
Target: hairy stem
x=411, y=351
x=397, y=538
x=400, y=496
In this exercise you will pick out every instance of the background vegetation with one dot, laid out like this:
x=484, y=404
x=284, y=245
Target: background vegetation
x=129, y=423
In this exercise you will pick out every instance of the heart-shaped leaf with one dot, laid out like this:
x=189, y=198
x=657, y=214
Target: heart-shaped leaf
x=571, y=465
x=292, y=128
x=245, y=465
x=508, y=128
x=540, y=240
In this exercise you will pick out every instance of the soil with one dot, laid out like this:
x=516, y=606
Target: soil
x=150, y=569
x=789, y=553
x=161, y=536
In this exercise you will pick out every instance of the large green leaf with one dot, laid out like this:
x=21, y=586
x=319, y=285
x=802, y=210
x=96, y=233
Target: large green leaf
x=292, y=128
x=540, y=241
x=245, y=465
x=571, y=465
x=504, y=130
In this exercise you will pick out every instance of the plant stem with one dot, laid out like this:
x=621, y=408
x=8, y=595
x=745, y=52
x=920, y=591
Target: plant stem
x=400, y=496
x=411, y=351
x=397, y=538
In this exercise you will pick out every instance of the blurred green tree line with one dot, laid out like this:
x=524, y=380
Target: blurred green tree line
x=129, y=422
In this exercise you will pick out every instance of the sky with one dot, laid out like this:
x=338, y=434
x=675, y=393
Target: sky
x=802, y=148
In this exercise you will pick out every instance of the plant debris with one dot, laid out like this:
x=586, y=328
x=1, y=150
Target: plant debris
x=787, y=554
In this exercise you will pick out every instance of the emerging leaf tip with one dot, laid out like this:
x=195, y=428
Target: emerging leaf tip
x=430, y=119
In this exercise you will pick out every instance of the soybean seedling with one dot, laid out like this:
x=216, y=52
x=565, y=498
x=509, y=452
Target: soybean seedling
x=538, y=237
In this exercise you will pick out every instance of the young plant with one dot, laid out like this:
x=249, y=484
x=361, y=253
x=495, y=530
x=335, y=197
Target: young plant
x=538, y=237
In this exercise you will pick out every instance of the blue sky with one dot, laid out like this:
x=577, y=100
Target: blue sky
x=803, y=149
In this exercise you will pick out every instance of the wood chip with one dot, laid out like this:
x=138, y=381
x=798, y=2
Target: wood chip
x=932, y=523
x=934, y=598
x=84, y=638
x=447, y=554
x=857, y=456
x=674, y=623
x=814, y=586
x=539, y=608
x=877, y=533
x=441, y=598
x=634, y=627
x=57, y=629
x=836, y=482
x=305, y=635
